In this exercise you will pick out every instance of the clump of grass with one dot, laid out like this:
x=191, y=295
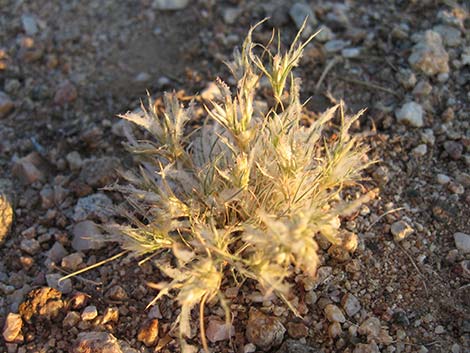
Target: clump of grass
x=245, y=195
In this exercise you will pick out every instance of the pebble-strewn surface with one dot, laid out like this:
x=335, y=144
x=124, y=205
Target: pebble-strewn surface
x=67, y=68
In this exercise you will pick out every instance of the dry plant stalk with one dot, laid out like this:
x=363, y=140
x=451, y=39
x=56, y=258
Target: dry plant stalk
x=245, y=195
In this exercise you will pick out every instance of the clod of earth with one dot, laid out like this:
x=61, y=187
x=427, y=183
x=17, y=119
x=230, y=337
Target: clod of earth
x=6, y=208
x=42, y=303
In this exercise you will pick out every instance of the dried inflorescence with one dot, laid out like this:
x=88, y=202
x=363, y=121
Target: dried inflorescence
x=245, y=195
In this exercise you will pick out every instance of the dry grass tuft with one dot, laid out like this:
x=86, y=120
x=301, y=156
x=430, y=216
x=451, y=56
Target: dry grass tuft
x=244, y=195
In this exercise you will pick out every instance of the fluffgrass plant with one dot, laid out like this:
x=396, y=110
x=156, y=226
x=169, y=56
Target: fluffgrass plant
x=245, y=195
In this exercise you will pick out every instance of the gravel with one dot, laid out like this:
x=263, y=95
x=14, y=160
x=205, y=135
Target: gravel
x=429, y=55
x=64, y=85
x=6, y=105
x=422, y=89
x=230, y=15
x=334, y=330
x=110, y=315
x=72, y=262
x=6, y=208
x=30, y=25
x=462, y=242
x=87, y=236
x=410, y=113
x=454, y=149
x=370, y=327
x=117, y=293
x=442, y=179
x=334, y=314
x=27, y=169
x=299, y=12
x=366, y=348
x=99, y=172
x=217, y=330
x=53, y=281
x=71, y=319
x=96, y=342
x=407, y=78
x=325, y=34
x=93, y=207
x=12, y=328
x=30, y=246
x=264, y=331
x=57, y=252
x=148, y=333
x=451, y=36
x=291, y=346
x=66, y=93
x=74, y=160
x=350, y=53
x=336, y=45
x=420, y=150
x=89, y=313
x=350, y=304
x=297, y=330
x=401, y=230
x=169, y=5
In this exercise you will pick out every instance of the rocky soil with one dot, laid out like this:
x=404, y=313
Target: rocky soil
x=67, y=68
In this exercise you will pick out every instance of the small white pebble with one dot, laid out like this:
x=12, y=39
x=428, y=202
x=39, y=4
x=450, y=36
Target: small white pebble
x=142, y=77
x=427, y=136
x=411, y=113
x=462, y=242
x=249, y=348
x=365, y=210
x=442, y=179
x=443, y=77
x=351, y=52
x=420, y=150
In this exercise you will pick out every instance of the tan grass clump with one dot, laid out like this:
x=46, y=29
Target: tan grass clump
x=244, y=195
